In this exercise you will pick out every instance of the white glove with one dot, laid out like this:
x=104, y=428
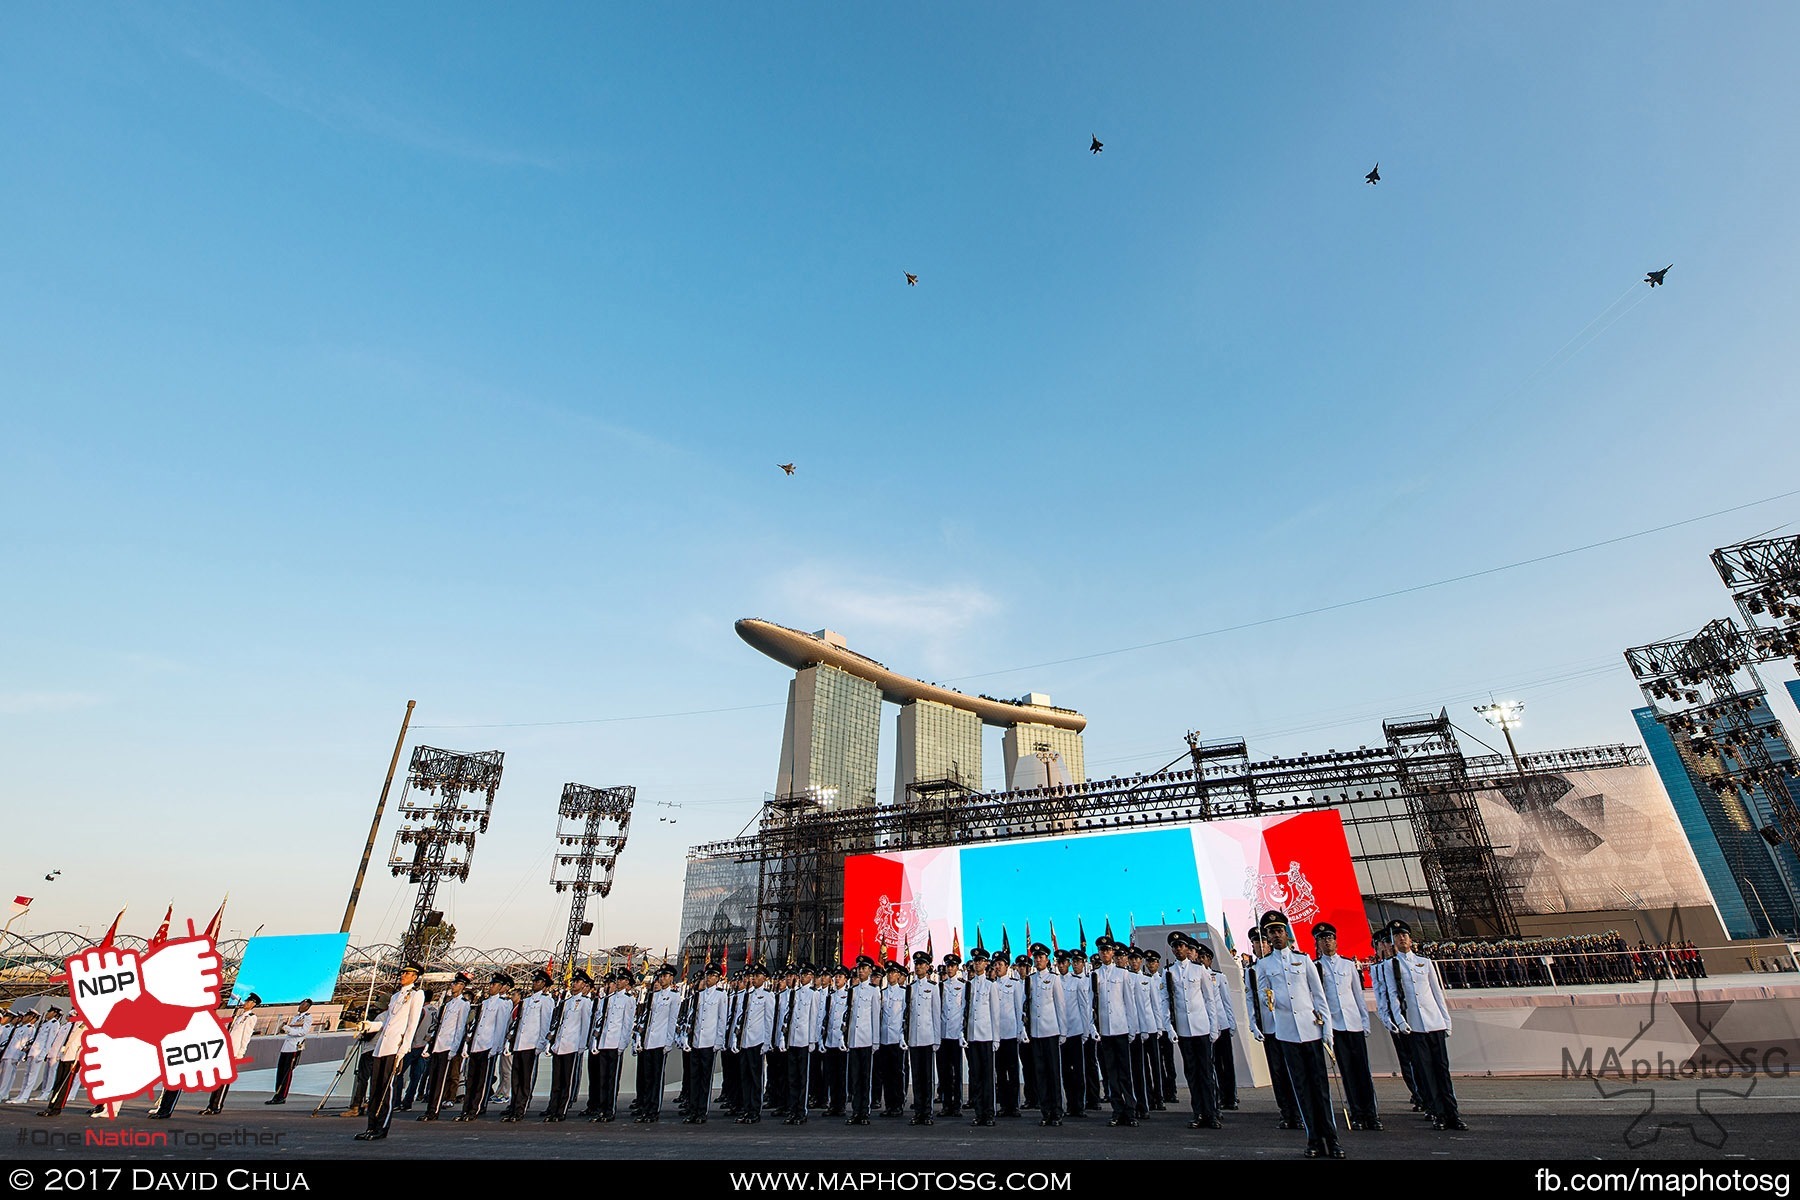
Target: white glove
x=118, y=1068
x=100, y=979
x=1257, y=1034
x=184, y=974
x=196, y=1058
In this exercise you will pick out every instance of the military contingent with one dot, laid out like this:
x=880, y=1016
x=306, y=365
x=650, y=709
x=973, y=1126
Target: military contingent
x=1545, y=962
x=1050, y=1031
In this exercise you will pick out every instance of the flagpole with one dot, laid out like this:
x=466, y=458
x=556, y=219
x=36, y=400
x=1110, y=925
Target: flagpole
x=375, y=825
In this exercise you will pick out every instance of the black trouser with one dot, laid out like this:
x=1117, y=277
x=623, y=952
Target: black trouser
x=728, y=1085
x=1074, y=1078
x=1115, y=1056
x=1278, y=1077
x=750, y=1081
x=1046, y=1060
x=1352, y=1047
x=924, y=1079
x=950, y=1076
x=1168, y=1068
x=165, y=1106
x=650, y=1081
x=1090, y=1054
x=1006, y=1076
x=412, y=1074
x=359, y=1095
x=1138, y=1085
x=1202, y=1079
x=215, y=1102
x=1312, y=1086
x=437, y=1090
x=383, y=1081
x=65, y=1083
x=284, y=1072
x=524, y=1074
x=475, y=1082
x=815, y=1078
x=799, y=1078
x=562, y=1084
x=1028, y=1073
x=890, y=1069
x=697, y=1081
x=860, y=1076
x=1408, y=1069
x=775, y=1086
x=1225, y=1068
x=1153, y=1069
x=981, y=1080
x=832, y=1065
x=1431, y=1064
x=602, y=1083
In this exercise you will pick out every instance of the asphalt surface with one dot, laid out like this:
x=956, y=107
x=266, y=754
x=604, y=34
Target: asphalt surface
x=1526, y=1119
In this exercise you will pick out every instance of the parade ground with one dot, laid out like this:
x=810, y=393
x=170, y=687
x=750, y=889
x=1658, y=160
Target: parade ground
x=1515, y=1118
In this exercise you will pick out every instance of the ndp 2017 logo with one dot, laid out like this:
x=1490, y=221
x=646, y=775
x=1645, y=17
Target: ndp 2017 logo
x=150, y=1018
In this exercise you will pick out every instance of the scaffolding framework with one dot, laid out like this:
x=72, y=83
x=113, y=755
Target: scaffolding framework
x=436, y=839
x=798, y=850
x=591, y=828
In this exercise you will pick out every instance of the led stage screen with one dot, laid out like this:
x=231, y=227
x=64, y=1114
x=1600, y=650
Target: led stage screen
x=287, y=970
x=1225, y=872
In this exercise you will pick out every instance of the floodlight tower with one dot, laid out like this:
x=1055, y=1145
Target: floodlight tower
x=583, y=846
x=1506, y=716
x=440, y=834
x=1764, y=578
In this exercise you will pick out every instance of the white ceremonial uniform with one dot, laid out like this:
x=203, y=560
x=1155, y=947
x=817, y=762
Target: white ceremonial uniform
x=1297, y=997
x=535, y=1012
x=1078, y=1003
x=1115, y=1001
x=1144, y=993
x=1011, y=1000
x=44, y=1048
x=864, y=1029
x=491, y=1025
x=1344, y=995
x=659, y=1025
x=837, y=1002
x=708, y=1029
x=294, y=1031
x=1192, y=986
x=572, y=1027
x=953, y=991
x=982, y=1005
x=924, y=1013
x=1427, y=1011
x=242, y=1029
x=616, y=1019
x=756, y=1019
x=14, y=1061
x=893, y=1014
x=803, y=1017
x=400, y=1021
x=453, y=1024
x=1047, y=1012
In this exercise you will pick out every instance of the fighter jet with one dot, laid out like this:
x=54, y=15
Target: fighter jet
x=1098, y=145
x=1655, y=278
x=911, y=279
x=1374, y=176
x=788, y=467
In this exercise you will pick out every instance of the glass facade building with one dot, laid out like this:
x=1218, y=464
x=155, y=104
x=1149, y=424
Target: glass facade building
x=832, y=737
x=936, y=741
x=1023, y=741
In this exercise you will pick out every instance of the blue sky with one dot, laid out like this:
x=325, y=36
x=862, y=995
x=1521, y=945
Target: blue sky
x=356, y=355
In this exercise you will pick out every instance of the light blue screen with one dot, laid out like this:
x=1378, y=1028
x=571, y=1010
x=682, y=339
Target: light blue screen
x=1147, y=873
x=287, y=970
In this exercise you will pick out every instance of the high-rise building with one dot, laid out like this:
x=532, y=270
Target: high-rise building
x=832, y=735
x=1749, y=887
x=1028, y=745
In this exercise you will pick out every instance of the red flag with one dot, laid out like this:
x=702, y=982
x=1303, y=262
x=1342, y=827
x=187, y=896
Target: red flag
x=112, y=930
x=162, y=931
x=213, y=926
x=955, y=942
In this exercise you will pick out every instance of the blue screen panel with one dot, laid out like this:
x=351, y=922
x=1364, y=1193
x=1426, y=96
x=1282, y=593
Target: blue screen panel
x=1121, y=876
x=287, y=970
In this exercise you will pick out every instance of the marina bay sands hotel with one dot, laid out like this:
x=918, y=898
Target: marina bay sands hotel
x=832, y=736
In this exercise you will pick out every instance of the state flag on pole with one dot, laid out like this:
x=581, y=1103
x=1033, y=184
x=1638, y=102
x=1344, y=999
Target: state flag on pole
x=20, y=904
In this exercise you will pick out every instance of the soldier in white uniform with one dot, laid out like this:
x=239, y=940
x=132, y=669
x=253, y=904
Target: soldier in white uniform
x=68, y=1058
x=1149, y=1021
x=238, y=1035
x=862, y=1034
x=1010, y=987
x=800, y=1034
x=755, y=1030
x=1225, y=1021
x=1115, y=1020
x=1164, y=1043
x=1297, y=1019
x=953, y=988
x=530, y=1038
x=41, y=1056
x=405, y=1008
x=832, y=1047
x=293, y=1041
x=1342, y=978
x=572, y=1024
x=1418, y=998
x=923, y=1023
x=446, y=1043
x=16, y=1058
x=493, y=1019
x=705, y=1035
x=981, y=1036
x=1191, y=1009
x=1078, y=1008
x=656, y=1036
x=1381, y=974
x=1285, y=1100
x=1046, y=1030
x=890, y=1052
x=614, y=1019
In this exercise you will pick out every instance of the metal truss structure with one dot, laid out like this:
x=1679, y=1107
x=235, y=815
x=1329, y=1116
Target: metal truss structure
x=437, y=838
x=1705, y=690
x=1418, y=777
x=583, y=846
x=1764, y=578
